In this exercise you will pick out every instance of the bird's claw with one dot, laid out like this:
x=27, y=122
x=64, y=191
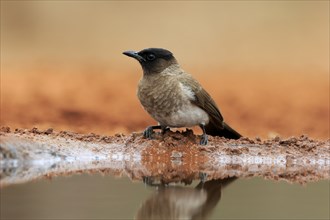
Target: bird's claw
x=148, y=180
x=148, y=132
x=165, y=129
x=204, y=140
x=203, y=177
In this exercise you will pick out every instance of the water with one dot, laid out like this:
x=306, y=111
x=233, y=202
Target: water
x=50, y=177
x=95, y=196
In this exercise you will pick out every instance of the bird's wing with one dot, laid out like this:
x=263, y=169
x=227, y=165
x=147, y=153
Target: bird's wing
x=203, y=100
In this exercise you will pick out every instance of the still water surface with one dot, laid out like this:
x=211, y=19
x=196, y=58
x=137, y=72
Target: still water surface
x=51, y=177
x=95, y=196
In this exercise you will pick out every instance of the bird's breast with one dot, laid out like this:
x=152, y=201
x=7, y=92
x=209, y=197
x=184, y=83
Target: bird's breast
x=159, y=95
x=169, y=102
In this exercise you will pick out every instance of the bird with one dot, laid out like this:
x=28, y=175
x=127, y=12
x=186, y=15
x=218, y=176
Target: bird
x=174, y=98
x=178, y=202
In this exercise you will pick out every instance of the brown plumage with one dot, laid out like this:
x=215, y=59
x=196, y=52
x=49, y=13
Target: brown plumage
x=174, y=98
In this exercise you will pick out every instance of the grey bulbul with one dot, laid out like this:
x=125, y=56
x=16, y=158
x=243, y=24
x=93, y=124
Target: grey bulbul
x=174, y=98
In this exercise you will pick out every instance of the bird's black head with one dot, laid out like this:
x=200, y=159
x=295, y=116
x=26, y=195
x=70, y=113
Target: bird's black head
x=153, y=60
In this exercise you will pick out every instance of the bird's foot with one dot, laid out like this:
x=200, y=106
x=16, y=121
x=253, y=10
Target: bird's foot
x=204, y=139
x=203, y=177
x=165, y=129
x=148, y=132
x=148, y=180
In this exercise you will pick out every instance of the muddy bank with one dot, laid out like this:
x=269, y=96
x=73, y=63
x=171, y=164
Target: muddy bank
x=173, y=157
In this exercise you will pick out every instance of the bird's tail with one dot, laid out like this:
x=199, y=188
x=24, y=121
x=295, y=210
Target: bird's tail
x=226, y=131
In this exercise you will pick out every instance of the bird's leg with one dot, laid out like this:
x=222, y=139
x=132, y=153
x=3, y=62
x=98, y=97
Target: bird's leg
x=164, y=129
x=203, y=177
x=149, y=130
x=204, y=139
x=149, y=181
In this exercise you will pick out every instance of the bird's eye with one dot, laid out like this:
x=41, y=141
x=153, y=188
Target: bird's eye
x=151, y=56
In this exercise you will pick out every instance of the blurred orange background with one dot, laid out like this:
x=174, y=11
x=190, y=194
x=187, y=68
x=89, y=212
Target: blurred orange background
x=266, y=63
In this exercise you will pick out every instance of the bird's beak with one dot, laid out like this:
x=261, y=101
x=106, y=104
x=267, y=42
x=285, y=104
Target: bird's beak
x=135, y=55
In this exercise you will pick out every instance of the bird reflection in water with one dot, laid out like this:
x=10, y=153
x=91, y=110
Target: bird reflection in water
x=179, y=202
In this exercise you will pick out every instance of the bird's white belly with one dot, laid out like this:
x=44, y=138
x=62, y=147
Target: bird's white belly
x=187, y=116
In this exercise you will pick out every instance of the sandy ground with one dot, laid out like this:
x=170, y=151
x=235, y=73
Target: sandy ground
x=101, y=101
